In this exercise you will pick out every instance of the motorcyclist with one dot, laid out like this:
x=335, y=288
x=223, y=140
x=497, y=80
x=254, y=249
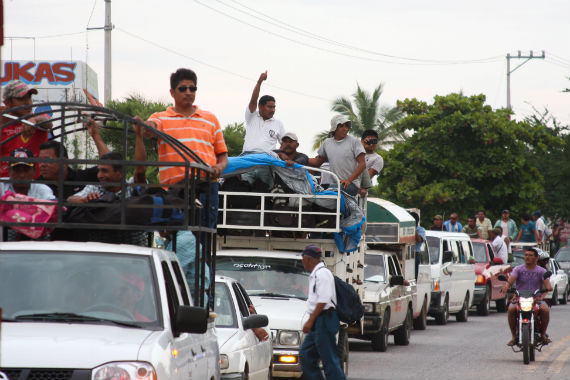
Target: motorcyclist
x=529, y=276
x=543, y=258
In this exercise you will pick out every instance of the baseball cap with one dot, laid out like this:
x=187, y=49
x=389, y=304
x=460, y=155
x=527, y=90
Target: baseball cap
x=337, y=120
x=21, y=153
x=17, y=89
x=311, y=250
x=498, y=230
x=438, y=217
x=505, y=211
x=291, y=135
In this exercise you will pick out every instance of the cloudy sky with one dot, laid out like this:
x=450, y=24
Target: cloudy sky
x=314, y=50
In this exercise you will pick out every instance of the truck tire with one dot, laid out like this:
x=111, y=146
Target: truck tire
x=554, y=300
x=343, y=349
x=501, y=305
x=420, y=323
x=463, y=314
x=402, y=335
x=485, y=305
x=442, y=316
x=380, y=339
x=564, y=299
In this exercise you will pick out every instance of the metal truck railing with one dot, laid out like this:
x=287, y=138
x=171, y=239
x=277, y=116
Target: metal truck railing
x=69, y=118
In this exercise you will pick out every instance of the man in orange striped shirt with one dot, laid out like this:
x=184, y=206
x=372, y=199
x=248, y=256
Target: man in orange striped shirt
x=199, y=130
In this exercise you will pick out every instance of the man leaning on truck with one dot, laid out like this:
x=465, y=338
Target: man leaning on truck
x=323, y=324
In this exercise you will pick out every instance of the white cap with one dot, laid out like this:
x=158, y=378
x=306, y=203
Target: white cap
x=338, y=120
x=291, y=135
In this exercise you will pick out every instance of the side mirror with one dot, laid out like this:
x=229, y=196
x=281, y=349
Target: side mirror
x=547, y=274
x=447, y=256
x=396, y=280
x=502, y=277
x=254, y=321
x=191, y=319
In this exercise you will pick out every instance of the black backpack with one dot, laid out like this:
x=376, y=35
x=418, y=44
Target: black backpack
x=348, y=305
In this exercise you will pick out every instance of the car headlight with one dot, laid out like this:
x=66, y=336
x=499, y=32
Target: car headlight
x=124, y=370
x=224, y=362
x=480, y=279
x=526, y=304
x=368, y=307
x=289, y=338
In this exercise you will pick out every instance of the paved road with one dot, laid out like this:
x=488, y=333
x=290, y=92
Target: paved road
x=473, y=350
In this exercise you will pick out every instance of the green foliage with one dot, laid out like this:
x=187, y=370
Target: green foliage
x=554, y=166
x=234, y=135
x=365, y=112
x=133, y=105
x=463, y=156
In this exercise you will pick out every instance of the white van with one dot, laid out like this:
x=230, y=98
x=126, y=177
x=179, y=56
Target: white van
x=101, y=311
x=453, y=274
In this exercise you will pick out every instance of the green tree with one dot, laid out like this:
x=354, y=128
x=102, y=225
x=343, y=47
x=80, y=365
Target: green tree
x=554, y=166
x=463, y=156
x=133, y=105
x=234, y=135
x=365, y=112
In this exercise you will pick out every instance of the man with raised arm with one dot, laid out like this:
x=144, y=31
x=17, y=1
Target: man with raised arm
x=262, y=131
x=199, y=130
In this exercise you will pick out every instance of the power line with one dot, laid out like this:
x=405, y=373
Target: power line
x=92, y=10
x=170, y=50
x=492, y=59
x=566, y=60
x=306, y=33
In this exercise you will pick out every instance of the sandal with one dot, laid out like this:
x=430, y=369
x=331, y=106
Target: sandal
x=512, y=342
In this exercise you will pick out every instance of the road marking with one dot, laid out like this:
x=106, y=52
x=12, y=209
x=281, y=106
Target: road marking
x=542, y=357
x=559, y=362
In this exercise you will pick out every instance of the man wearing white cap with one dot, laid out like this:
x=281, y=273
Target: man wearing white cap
x=288, y=150
x=344, y=153
x=19, y=94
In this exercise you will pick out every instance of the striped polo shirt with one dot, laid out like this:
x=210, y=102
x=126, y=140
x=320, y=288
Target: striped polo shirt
x=200, y=132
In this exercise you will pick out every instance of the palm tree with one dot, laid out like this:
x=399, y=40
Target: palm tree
x=365, y=112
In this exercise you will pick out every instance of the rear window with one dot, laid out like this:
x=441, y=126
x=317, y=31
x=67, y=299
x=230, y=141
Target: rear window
x=480, y=252
x=563, y=255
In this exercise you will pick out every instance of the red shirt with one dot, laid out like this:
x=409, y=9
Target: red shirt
x=33, y=144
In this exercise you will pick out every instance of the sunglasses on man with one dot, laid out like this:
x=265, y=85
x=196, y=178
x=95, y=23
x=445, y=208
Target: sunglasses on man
x=186, y=88
x=371, y=142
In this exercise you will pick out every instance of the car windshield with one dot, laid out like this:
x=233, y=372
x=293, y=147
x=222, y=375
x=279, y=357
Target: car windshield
x=224, y=306
x=266, y=276
x=78, y=287
x=518, y=257
x=563, y=255
x=374, y=270
x=480, y=252
x=433, y=244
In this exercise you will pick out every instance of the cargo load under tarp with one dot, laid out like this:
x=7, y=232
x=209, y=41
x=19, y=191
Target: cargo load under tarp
x=298, y=179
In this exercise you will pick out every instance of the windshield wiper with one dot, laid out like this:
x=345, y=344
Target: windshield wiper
x=278, y=295
x=70, y=317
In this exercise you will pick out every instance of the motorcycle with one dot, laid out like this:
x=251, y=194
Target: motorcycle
x=528, y=338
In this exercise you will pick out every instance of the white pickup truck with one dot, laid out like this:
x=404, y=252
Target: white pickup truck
x=100, y=311
x=394, y=298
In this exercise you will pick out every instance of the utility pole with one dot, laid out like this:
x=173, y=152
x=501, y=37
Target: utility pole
x=509, y=71
x=107, y=28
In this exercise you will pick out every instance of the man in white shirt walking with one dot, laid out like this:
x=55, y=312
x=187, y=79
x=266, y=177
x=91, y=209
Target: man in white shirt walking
x=323, y=324
x=499, y=245
x=262, y=131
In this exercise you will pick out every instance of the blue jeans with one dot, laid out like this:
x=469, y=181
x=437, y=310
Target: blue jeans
x=213, y=210
x=321, y=343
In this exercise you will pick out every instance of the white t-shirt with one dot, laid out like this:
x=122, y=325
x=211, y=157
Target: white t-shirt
x=500, y=248
x=37, y=190
x=261, y=135
x=505, y=227
x=374, y=161
x=321, y=288
x=540, y=226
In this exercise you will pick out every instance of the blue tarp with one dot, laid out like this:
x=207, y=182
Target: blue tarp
x=302, y=182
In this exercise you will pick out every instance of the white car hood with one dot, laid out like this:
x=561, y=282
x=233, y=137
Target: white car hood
x=224, y=335
x=63, y=345
x=283, y=313
x=372, y=291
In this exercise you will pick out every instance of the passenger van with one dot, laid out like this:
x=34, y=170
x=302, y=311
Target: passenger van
x=453, y=273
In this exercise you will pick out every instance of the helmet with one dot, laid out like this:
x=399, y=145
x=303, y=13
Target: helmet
x=542, y=255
